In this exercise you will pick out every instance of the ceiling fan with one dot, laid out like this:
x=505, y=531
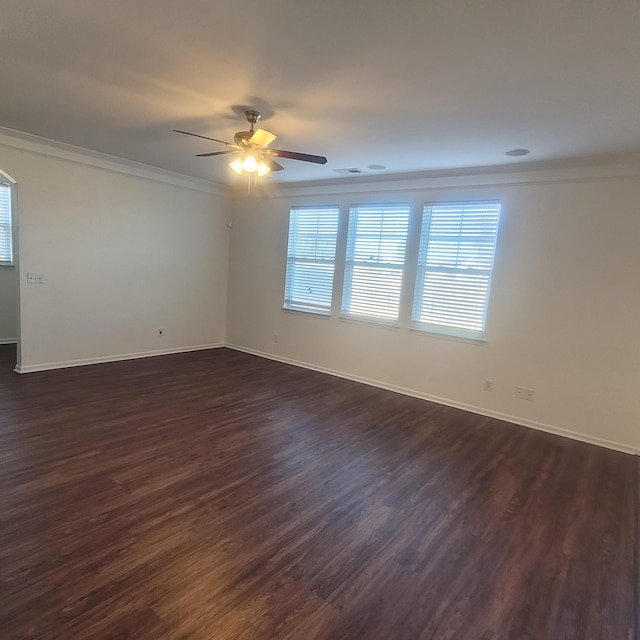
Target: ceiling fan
x=252, y=148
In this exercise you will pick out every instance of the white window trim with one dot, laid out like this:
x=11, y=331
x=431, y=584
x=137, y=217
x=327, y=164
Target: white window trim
x=411, y=272
x=349, y=265
x=445, y=330
x=10, y=264
x=298, y=306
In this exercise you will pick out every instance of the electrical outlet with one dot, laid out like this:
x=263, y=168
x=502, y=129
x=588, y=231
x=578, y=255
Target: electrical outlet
x=276, y=338
x=160, y=332
x=521, y=393
x=488, y=384
x=35, y=278
x=530, y=394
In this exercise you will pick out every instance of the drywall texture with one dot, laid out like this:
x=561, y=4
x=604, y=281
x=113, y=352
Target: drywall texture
x=563, y=317
x=8, y=304
x=122, y=255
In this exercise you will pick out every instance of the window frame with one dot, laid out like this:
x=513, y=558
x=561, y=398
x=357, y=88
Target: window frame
x=299, y=306
x=350, y=262
x=9, y=225
x=424, y=235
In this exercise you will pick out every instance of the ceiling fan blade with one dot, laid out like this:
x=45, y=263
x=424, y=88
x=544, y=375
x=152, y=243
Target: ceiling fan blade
x=261, y=138
x=272, y=164
x=215, y=153
x=294, y=155
x=197, y=135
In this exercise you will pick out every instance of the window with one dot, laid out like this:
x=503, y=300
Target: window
x=376, y=243
x=6, y=249
x=455, y=262
x=311, y=259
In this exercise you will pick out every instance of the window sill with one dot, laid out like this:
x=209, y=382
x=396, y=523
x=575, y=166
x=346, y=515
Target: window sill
x=445, y=334
x=7, y=265
x=308, y=312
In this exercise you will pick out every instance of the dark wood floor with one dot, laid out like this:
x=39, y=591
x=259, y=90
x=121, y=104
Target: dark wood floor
x=216, y=495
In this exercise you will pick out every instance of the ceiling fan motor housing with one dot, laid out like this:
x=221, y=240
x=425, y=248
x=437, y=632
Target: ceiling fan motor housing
x=242, y=137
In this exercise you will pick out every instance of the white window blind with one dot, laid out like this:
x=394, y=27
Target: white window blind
x=376, y=243
x=6, y=250
x=311, y=258
x=455, y=263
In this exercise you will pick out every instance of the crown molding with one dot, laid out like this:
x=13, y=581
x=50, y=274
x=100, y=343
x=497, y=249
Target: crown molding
x=587, y=169
x=62, y=150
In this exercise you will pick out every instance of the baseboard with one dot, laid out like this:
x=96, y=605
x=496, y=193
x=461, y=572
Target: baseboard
x=8, y=340
x=49, y=366
x=637, y=532
x=539, y=426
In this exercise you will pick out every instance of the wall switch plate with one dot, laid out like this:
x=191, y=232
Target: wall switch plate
x=35, y=278
x=521, y=393
x=530, y=394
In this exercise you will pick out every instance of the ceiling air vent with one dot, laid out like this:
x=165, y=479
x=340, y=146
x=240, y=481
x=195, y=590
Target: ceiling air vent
x=347, y=171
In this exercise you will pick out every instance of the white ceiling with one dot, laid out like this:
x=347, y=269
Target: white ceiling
x=414, y=84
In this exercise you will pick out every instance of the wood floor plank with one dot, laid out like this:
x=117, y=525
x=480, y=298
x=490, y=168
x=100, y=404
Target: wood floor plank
x=220, y=495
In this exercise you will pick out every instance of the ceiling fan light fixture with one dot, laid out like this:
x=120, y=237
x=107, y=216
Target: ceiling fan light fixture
x=250, y=164
x=236, y=165
x=263, y=169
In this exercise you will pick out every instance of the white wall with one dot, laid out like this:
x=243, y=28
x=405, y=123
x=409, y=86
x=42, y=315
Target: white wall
x=564, y=314
x=125, y=250
x=8, y=304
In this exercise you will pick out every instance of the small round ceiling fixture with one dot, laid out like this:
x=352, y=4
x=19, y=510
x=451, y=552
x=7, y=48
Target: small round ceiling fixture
x=517, y=152
x=376, y=167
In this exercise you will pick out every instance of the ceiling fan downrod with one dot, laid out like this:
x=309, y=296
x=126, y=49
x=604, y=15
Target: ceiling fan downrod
x=252, y=117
